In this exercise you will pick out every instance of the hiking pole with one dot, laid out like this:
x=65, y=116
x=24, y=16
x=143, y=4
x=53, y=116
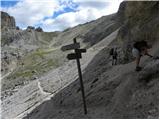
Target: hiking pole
x=81, y=81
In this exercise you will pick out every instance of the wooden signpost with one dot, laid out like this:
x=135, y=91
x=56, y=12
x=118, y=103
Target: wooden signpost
x=77, y=55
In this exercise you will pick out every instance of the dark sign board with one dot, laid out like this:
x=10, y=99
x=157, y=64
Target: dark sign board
x=80, y=50
x=70, y=47
x=73, y=56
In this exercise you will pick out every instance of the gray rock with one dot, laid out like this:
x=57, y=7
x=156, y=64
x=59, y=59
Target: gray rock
x=7, y=21
x=39, y=29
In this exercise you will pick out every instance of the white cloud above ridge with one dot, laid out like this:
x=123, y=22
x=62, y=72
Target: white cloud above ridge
x=70, y=19
x=31, y=12
x=85, y=13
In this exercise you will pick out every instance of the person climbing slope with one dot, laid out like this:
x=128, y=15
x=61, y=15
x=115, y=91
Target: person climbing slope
x=114, y=54
x=140, y=49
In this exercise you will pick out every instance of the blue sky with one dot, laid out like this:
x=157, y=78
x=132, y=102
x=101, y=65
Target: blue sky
x=8, y=3
x=57, y=15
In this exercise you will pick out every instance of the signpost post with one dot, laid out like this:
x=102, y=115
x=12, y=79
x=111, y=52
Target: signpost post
x=77, y=55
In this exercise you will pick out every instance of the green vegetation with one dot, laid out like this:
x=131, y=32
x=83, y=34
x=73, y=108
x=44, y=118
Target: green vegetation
x=35, y=64
x=42, y=52
x=37, y=61
x=47, y=36
x=24, y=74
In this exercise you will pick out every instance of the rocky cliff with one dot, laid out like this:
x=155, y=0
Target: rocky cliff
x=7, y=21
x=140, y=22
x=44, y=84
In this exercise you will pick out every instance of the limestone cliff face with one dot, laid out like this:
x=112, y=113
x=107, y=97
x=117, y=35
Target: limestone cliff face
x=7, y=21
x=140, y=22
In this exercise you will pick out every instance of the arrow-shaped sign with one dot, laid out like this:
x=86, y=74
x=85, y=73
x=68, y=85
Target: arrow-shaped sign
x=80, y=50
x=74, y=56
x=70, y=47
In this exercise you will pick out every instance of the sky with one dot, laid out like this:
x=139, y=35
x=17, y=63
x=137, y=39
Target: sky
x=57, y=15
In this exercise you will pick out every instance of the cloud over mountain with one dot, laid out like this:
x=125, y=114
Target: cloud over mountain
x=59, y=14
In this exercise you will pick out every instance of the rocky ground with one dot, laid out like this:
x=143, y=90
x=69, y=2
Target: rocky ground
x=39, y=82
x=111, y=92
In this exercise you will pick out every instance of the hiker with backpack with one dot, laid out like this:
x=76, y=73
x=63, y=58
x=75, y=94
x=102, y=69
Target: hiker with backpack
x=140, y=49
x=114, y=54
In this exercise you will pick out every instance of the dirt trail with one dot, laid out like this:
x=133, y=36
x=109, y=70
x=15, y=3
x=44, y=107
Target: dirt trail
x=41, y=89
x=12, y=67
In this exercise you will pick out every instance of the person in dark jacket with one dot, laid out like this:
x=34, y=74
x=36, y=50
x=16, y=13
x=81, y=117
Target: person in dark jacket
x=140, y=48
x=114, y=54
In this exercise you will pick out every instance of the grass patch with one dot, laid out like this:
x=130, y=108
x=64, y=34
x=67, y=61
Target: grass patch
x=24, y=74
x=35, y=64
x=47, y=36
x=41, y=52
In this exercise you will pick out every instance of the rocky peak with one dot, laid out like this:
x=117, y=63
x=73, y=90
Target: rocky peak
x=29, y=28
x=7, y=21
x=39, y=29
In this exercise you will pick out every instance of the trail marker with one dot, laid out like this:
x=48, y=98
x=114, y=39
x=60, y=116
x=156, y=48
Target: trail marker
x=70, y=47
x=74, y=56
x=77, y=55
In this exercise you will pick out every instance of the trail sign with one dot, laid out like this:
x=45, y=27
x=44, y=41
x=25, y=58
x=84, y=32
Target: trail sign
x=80, y=77
x=70, y=47
x=77, y=55
x=74, y=56
x=80, y=50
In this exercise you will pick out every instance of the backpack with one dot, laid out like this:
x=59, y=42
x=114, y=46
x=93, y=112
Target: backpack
x=111, y=51
x=140, y=44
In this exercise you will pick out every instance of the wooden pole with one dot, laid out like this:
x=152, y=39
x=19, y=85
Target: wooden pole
x=81, y=81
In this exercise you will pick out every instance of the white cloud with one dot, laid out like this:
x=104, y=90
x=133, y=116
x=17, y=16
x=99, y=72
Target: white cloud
x=33, y=12
x=86, y=12
x=70, y=19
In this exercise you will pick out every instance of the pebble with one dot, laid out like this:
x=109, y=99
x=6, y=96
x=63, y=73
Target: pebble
x=152, y=111
x=150, y=117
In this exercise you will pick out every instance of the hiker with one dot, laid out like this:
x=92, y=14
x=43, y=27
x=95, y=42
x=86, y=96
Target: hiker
x=113, y=53
x=140, y=49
